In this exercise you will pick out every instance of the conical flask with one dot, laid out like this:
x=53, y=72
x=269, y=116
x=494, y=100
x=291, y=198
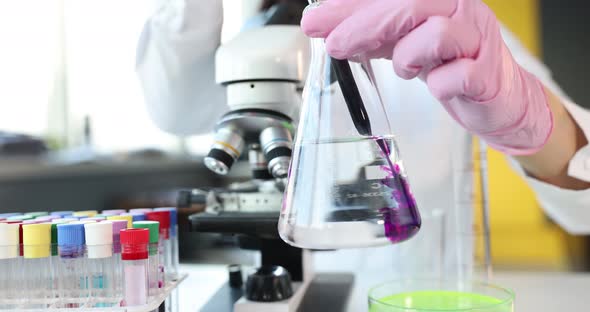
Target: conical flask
x=347, y=185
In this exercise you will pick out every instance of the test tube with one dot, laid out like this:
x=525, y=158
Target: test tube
x=64, y=220
x=36, y=269
x=134, y=253
x=94, y=219
x=74, y=217
x=61, y=214
x=85, y=213
x=71, y=267
x=140, y=210
x=118, y=225
x=155, y=276
x=55, y=254
x=36, y=214
x=31, y=221
x=9, y=214
x=85, y=221
x=136, y=216
x=46, y=218
x=20, y=218
x=9, y=266
x=165, y=249
x=172, y=271
x=113, y=211
x=129, y=220
x=101, y=265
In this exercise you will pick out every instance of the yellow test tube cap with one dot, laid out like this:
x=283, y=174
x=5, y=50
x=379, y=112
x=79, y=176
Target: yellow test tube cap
x=85, y=213
x=37, y=240
x=129, y=220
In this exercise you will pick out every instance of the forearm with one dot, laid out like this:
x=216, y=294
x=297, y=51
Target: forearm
x=550, y=164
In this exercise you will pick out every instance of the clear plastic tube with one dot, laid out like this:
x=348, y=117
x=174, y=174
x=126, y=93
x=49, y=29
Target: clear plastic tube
x=118, y=273
x=101, y=275
x=165, y=252
x=155, y=281
x=165, y=247
x=135, y=282
x=36, y=270
x=175, y=253
x=118, y=225
x=101, y=265
x=72, y=275
x=155, y=277
x=55, y=253
x=36, y=274
x=134, y=247
x=9, y=266
x=172, y=257
x=9, y=280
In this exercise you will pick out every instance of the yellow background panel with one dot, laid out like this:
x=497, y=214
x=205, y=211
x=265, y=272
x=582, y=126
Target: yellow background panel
x=521, y=234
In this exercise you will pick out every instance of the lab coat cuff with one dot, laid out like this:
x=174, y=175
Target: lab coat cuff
x=579, y=166
x=568, y=208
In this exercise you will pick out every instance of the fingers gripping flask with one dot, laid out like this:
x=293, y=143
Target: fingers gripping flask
x=347, y=185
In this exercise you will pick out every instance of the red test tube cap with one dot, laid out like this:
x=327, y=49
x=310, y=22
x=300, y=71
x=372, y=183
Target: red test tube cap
x=164, y=218
x=134, y=244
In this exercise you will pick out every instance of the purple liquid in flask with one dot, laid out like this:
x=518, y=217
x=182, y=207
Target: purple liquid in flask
x=403, y=221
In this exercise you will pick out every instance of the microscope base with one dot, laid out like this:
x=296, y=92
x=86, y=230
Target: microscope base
x=289, y=305
x=326, y=292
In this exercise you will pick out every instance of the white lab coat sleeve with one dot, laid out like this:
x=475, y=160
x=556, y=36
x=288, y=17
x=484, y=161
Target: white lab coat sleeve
x=569, y=208
x=176, y=68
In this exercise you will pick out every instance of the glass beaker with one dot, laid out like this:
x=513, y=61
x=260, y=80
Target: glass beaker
x=439, y=295
x=347, y=184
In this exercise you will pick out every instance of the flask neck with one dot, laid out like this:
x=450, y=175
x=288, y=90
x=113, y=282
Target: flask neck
x=352, y=83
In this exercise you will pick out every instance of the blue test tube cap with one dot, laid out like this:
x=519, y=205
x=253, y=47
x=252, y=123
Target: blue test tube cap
x=61, y=213
x=70, y=234
x=137, y=216
x=173, y=218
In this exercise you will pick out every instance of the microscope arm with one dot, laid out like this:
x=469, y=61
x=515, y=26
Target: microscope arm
x=176, y=67
x=189, y=81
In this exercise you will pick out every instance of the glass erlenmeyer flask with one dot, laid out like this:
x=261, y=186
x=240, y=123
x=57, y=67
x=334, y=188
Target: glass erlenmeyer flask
x=347, y=184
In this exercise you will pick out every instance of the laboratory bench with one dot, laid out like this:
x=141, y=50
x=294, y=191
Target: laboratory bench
x=535, y=291
x=42, y=184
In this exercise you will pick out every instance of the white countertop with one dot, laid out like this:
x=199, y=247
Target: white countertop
x=547, y=292
x=535, y=291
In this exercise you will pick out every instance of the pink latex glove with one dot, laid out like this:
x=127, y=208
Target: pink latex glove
x=455, y=46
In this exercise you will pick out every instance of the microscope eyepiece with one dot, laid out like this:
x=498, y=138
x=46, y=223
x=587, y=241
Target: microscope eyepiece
x=226, y=149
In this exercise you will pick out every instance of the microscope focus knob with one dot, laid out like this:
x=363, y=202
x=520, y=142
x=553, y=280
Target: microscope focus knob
x=269, y=284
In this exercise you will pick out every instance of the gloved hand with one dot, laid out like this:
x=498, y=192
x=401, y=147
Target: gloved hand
x=455, y=46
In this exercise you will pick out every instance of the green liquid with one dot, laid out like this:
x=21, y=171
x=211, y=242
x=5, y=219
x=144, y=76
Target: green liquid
x=422, y=301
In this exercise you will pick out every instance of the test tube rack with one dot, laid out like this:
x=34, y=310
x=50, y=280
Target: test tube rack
x=151, y=306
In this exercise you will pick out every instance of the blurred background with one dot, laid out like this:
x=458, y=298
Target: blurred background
x=74, y=133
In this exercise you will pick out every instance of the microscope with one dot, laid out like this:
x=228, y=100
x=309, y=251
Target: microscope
x=263, y=71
